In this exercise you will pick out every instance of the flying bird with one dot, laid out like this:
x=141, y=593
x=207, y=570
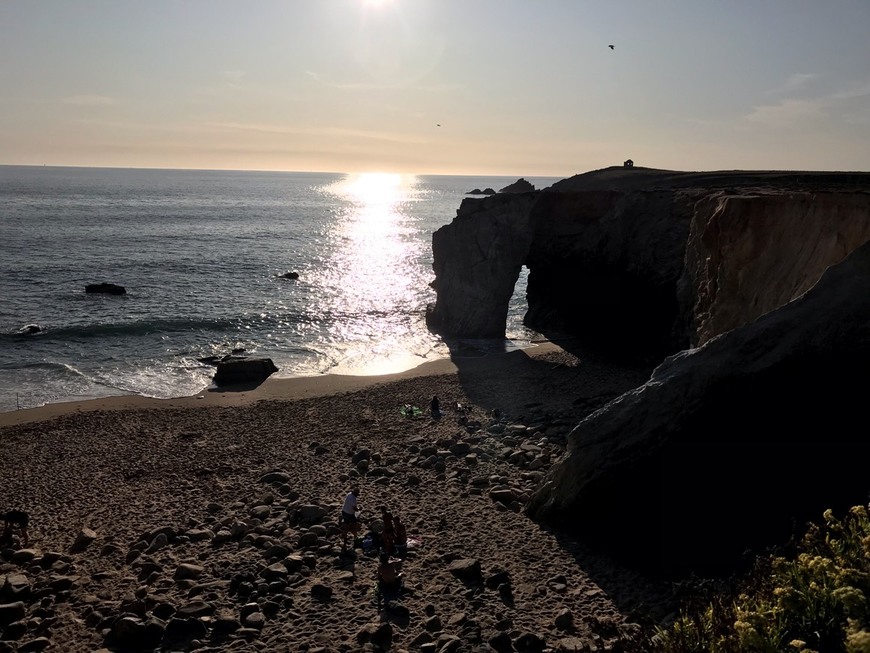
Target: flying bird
x=610, y=46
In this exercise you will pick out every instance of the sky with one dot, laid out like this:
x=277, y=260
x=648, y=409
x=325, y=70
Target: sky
x=476, y=87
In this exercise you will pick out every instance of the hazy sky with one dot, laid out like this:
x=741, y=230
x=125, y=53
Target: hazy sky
x=518, y=87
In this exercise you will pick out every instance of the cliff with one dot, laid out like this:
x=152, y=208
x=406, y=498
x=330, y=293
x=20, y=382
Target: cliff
x=646, y=262
x=753, y=290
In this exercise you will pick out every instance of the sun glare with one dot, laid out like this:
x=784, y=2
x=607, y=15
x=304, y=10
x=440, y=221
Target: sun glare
x=375, y=3
x=375, y=188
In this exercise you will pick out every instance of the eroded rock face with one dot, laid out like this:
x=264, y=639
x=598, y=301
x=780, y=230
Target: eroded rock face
x=477, y=260
x=651, y=261
x=750, y=253
x=605, y=265
x=755, y=285
x=732, y=445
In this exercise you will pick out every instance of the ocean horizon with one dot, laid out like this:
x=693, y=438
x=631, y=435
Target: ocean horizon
x=204, y=256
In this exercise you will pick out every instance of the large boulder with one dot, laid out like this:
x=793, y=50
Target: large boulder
x=731, y=446
x=243, y=371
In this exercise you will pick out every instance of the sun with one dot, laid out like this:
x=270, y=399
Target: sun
x=375, y=4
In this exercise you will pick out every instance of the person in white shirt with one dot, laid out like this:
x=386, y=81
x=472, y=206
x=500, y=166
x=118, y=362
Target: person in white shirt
x=349, y=521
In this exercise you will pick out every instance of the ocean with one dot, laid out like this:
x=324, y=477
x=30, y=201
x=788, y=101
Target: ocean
x=202, y=256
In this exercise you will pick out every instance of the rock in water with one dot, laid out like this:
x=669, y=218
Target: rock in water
x=105, y=288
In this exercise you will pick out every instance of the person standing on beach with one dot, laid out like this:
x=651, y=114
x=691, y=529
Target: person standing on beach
x=349, y=520
x=435, y=407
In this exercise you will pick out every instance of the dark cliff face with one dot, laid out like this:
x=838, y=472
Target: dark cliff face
x=603, y=266
x=755, y=287
x=644, y=262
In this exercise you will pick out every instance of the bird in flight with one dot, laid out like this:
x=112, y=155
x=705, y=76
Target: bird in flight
x=438, y=125
x=610, y=46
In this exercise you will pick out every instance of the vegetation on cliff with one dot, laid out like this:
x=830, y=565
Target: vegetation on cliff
x=814, y=600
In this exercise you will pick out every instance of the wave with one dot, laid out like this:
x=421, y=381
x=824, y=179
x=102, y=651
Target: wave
x=47, y=368
x=135, y=328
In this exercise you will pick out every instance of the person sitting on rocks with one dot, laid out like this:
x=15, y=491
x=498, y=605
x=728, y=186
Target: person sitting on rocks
x=389, y=576
x=388, y=535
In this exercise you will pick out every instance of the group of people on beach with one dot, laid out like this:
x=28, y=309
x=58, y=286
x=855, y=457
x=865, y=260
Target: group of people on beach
x=390, y=540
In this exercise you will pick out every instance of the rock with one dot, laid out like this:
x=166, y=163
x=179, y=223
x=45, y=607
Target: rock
x=126, y=634
x=83, y=540
x=472, y=301
x=187, y=571
x=708, y=429
x=36, y=644
x=529, y=643
x=275, y=478
x=10, y=612
x=321, y=592
x=244, y=370
x=15, y=587
x=466, y=569
x=519, y=186
x=312, y=513
x=182, y=630
x=289, y=275
x=105, y=288
x=29, y=329
x=564, y=620
x=690, y=260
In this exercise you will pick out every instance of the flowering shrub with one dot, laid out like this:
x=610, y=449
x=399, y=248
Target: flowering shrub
x=817, y=601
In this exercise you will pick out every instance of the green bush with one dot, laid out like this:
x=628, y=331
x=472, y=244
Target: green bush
x=816, y=601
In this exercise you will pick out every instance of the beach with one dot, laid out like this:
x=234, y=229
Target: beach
x=209, y=522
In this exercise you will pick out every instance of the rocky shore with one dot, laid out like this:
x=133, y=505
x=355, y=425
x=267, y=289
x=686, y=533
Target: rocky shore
x=211, y=526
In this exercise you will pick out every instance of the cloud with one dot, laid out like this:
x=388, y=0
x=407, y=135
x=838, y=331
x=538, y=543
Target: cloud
x=856, y=91
x=786, y=113
x=89, y=100
x=794, y=83
x=791, y=112
x=234, y=75
x=265, y=128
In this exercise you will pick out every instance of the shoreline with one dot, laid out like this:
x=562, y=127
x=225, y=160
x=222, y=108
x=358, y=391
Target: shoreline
x=189, y=504
x=273, y=388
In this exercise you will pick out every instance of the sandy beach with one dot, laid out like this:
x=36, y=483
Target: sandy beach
x=209, y=523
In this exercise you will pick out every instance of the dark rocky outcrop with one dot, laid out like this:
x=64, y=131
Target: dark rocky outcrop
x=733, y=445
x=289, y=275
x=105, y=289
x=30, y=329
x=243, y=371
x=477, y=260
x=646, y=260
x=519, y=186
x=477, y=191
x=752, y=286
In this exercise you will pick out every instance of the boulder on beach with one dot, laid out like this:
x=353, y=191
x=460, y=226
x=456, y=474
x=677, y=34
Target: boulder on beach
x=243, y=370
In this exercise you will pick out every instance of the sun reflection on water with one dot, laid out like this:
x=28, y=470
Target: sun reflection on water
x=373, y=278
